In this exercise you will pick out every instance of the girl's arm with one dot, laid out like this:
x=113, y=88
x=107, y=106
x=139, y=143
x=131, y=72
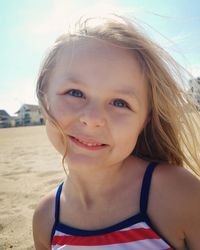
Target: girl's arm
x=43, y=220
x=38, y=235
x=192, y=221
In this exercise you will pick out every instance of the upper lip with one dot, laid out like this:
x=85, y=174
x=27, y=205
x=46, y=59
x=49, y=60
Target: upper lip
x=87, y=139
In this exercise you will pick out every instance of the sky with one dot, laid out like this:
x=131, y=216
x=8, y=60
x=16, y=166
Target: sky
x=28, y=28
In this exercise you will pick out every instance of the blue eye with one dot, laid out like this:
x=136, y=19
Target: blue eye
x=120, y=103
x=75, y=93
x=79, y=94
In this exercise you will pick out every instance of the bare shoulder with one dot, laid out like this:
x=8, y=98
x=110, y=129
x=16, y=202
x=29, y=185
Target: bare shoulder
x=182, y=178
x=179, y=180
x=43, y=221
x=178, y=190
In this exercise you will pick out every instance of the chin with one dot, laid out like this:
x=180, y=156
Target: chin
x=81, y=161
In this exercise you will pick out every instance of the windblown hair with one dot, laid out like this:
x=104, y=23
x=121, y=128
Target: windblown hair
x=172, y=132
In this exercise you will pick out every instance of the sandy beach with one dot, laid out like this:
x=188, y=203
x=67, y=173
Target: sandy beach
x=29, y=168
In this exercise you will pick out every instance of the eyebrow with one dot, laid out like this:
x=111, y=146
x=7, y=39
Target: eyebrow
x=128, y=92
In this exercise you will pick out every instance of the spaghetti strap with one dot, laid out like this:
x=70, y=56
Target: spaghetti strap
x=146, y=183
x=57, y=203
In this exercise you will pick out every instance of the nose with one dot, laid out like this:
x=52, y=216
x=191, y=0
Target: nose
x=93, y=116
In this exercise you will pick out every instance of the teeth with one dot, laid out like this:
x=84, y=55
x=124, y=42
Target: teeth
x=89, y=144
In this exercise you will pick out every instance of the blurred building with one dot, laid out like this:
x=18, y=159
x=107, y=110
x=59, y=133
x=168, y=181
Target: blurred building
x=195, y=90
x=28, y=115
x=6, y=120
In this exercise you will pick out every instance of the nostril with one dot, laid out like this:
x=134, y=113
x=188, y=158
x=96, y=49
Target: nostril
x=92, y=121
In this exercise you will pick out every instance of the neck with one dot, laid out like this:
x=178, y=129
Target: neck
x=94, y=186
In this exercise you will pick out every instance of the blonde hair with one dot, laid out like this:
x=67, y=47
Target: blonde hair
x=171, y=135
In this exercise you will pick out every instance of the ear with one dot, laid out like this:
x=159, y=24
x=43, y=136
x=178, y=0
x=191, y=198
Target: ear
x=147, y=120
x=47, y=103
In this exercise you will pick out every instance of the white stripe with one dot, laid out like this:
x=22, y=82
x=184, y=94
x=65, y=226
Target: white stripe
x=138, y=225
x=140, y=244
x=58, y=233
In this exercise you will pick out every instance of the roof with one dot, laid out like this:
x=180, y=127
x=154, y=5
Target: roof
x=29, y=107
x=3, y=113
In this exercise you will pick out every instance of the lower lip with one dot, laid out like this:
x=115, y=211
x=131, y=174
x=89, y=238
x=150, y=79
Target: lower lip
x=85, y=146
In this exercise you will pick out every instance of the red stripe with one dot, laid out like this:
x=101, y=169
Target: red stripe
x=106, y=239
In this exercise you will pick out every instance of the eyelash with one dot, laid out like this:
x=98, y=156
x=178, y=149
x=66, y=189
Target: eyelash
x=76, y=90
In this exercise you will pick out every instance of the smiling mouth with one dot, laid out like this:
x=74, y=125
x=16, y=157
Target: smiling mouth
x=89, y=146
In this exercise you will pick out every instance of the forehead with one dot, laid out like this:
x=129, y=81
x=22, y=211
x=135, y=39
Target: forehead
x=99, y=64
x=96, y=56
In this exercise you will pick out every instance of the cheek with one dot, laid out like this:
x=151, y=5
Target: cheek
x=55, y=137
x=62, y=110
x=127, y=131
x=125, y=142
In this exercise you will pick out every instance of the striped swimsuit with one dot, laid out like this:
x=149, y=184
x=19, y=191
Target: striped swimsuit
x=134, y=233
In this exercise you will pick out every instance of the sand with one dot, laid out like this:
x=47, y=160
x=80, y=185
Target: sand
x=29, y=168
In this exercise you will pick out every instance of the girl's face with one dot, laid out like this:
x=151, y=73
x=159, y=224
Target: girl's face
x=98, y=94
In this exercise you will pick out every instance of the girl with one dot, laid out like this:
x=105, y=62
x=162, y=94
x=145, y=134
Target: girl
x=115, y=111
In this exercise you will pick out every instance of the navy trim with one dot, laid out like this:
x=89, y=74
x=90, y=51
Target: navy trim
x=53, y=231
x=57, y=210
x=146, y=183
x=82, y=232
x=57, y=205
